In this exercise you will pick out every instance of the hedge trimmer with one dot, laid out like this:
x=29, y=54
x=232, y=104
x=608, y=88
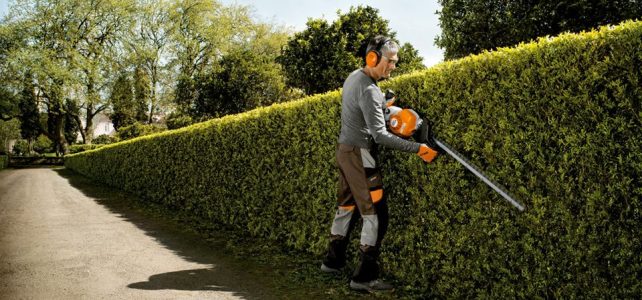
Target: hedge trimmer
x=406, y=123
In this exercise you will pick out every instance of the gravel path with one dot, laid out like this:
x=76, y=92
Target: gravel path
x=60, y=240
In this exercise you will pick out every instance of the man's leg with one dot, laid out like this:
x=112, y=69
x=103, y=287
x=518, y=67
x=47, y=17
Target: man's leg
x=368, y=268
x=344, y=219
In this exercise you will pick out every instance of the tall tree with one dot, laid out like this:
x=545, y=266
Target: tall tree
x=243, y=81
x=71, y=127
x=99, y=25
x=11, y=39
x=409, y=60
x=67, y=50
x=50, y=34
x=8, y=107
x=316, y=60
x=469, y=27
x=319, y=58
x=149, y=44
x=142, y=92
x=9, y=130
x=123, y=103
x=359, y=25
x=30, y=127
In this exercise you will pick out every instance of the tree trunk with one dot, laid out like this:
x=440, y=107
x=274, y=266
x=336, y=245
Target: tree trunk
x=153, y=95
x=56, y=112
x=60, y=135
x=89, y=123
x=91, y=100
x=81, y=129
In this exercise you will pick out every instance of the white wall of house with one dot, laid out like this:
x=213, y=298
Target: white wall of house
x=102, y=125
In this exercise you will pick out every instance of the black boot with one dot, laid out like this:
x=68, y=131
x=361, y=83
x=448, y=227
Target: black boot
x=335, y=258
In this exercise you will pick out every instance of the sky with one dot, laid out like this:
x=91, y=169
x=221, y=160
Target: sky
x=415, y=22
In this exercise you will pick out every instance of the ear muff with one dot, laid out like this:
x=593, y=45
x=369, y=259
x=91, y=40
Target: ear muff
x=372, y=59
x=374, y=55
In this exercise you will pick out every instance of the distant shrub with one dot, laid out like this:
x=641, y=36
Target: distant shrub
x=80, y=148
x=4, y=161
x=21, y=148
x=137, y=129
x=175, y=121
x=43, y=144
x=104, y=139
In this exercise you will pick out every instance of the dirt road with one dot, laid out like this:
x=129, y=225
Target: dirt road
x=60, y=240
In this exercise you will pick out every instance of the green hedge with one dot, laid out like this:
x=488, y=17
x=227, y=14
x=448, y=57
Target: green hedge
x=556, y=121
x=83, y=147
x=4, y=161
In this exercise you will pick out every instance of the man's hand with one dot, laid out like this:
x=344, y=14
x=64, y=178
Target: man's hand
x=426, y=153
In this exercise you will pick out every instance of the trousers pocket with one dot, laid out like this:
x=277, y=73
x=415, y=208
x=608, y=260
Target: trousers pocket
x=346, y=148
x=374, y=178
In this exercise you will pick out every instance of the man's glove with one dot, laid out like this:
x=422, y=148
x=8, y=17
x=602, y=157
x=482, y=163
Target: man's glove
x=426, y=153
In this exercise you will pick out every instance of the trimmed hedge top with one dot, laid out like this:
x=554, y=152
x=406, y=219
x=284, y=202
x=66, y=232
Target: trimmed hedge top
x=556, y=121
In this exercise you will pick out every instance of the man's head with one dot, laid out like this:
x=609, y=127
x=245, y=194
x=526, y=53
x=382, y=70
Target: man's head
x=381, y=57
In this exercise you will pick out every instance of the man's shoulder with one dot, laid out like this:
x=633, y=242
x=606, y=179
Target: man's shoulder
x=359, y=79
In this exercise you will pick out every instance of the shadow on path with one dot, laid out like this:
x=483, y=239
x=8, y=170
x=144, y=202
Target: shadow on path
x=228, y=273
x=191, y=280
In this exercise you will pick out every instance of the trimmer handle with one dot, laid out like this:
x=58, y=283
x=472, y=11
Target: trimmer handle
x=425, y=135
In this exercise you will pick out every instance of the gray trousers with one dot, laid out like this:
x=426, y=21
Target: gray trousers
x=361, y=194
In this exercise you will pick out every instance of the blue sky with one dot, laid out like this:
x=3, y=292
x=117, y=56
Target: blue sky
x=414, y=21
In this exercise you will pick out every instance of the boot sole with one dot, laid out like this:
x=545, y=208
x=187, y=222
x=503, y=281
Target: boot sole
x=329, y=270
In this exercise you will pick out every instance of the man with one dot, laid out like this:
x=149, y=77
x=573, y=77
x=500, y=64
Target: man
x=360, y=182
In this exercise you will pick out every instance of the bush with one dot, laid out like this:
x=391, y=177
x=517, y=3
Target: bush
x=43, y=145
x=556, y=121
x=81, y=148
x=4, y=161
x=136, y=130
x=21, y=148
x=175, y=121
x=104, y=139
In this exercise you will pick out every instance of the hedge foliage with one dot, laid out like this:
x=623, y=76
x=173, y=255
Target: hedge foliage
x=83, y=147
x=556, y=121
x=4, y=161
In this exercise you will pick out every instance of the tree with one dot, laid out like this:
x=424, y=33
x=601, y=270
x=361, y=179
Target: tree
x=148, y=46
x=124, y=108
x=242, y=81
x=359, y=25
x=316, y=60
x=470, y=27
x=319, y=58
x=46, y=55
x=65, y=48
x=409, y=60
x=201, y=30
x=99, y=25
x=9, y=130
x=71, y=127
x=30, y=127
x=8, y=107
x=142, y=87
x=11, y=38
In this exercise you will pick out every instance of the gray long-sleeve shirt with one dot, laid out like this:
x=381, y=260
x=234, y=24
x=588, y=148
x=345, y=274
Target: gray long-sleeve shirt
x=362, y=119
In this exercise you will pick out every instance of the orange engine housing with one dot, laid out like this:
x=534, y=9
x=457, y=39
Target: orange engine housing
x=403, y=122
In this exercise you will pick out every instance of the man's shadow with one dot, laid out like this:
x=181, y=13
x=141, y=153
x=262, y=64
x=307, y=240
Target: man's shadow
x=190, y=280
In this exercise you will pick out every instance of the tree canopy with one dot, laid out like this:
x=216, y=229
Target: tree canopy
x=472, y=26
x=319, y=58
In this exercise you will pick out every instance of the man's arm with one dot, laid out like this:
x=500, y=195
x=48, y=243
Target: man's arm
x=371, y=105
